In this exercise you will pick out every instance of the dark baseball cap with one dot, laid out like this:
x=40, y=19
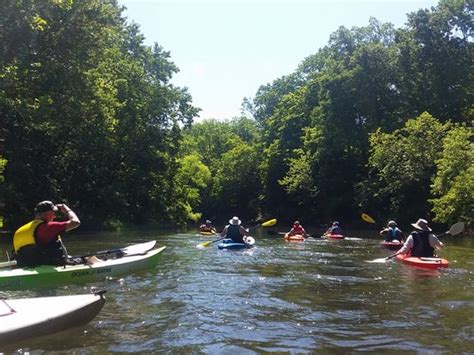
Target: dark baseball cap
x=45, y=206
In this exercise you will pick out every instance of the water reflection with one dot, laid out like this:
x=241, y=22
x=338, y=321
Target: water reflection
x=316, y=296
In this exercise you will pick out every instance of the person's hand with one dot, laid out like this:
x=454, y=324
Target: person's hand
x=63, y=208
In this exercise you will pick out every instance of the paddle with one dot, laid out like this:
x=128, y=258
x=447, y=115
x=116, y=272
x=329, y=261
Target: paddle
x=367, y=218
x=134, y=249
x=455, y=229
x=269, y=223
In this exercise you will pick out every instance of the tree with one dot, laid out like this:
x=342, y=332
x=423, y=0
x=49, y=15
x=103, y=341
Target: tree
x=403, y=164
x=453, y=185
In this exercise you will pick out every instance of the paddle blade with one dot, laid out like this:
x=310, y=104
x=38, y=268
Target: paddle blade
x=379, y=260
x=141, y=248
x=367, y=218
x=269, y=223
x=205, y=244
x=456, y=228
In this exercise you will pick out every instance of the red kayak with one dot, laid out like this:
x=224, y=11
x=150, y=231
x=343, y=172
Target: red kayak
x=426, y=263
x=391, y=245
x=334, y=236
x=294, y=238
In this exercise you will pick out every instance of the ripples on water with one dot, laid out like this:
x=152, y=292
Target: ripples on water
x=317, y=296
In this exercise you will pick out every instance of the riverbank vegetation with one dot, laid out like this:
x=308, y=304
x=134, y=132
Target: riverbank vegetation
x=377, y=121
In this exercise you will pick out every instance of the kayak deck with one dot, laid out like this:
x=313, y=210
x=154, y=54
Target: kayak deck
x=230, y=244
x=426, y=263
x=48, y=275
x=334, y=236
x=30, y=317
x=294, y=238
x=391, y=245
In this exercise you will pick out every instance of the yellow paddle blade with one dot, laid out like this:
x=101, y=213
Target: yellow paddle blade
x=367, y=218
x=269, y=223
x=204, y=244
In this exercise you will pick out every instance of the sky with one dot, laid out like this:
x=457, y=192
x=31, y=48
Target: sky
x=226, y=49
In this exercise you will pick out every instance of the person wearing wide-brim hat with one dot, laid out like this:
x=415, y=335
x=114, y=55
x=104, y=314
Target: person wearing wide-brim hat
x=392, y=232
x=235, y=231
x=421, y=242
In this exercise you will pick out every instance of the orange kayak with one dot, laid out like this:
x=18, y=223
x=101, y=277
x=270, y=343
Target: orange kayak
x=294, y=238
x=334, y=236
x=427, y=263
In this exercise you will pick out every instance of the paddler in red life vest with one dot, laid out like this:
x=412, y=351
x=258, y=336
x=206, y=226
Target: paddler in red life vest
x=420, y=242
x=392, y=233
x=297, y=229
x=235, y=231
x=39, y=242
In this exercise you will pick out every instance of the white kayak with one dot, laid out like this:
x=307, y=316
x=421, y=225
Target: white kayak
x=29, y=317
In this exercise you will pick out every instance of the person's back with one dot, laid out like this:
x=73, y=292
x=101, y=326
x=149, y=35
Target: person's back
x=421, y=242
x=392, y=232
x=234, y=230
x=335, y=229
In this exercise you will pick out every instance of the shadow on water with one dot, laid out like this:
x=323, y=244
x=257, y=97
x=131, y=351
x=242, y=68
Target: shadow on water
x=316, y=296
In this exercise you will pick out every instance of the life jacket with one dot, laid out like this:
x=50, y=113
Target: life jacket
x=297, y=229
x=51, y=253
x=25, y=235
x=421, y=244
x=336, y=230
x=233, y=232
x=393, y=233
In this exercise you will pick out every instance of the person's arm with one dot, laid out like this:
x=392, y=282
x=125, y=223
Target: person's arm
x=224, y=232
x=435, y=242
x=72, y=219
x=383, y=232
x=406, y=246
x=244, y=231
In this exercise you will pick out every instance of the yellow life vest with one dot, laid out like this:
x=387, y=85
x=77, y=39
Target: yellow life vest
x=25, y=235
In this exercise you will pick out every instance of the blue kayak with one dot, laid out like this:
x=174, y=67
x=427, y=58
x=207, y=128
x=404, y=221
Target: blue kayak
x=230, y=244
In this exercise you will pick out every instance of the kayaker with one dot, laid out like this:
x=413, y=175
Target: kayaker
x=235, y=231
x=207, y=227
x=335, y=228
x=420, y=242
x=297, y=229
x=39, y=243
x=392, y=233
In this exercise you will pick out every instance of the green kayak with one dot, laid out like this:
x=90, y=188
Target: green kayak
x=48, y=276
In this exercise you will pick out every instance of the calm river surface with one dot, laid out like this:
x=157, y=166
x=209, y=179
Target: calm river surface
x=313, y=297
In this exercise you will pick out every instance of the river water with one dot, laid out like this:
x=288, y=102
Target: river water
x=319, y=296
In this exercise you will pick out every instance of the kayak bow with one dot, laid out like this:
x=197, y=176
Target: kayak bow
x=30, y=317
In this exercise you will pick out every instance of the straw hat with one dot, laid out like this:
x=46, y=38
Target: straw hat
x=422, y=225
x=235, y=221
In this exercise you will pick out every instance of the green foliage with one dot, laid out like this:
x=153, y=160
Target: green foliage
x=453, y=185
x=89, y=114
x=404, y=162
x=192, y=177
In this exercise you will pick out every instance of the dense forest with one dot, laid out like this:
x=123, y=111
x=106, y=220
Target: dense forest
x=380, y=121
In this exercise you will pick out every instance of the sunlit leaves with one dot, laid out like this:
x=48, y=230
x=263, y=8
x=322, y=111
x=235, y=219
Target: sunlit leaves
x=453, y=185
